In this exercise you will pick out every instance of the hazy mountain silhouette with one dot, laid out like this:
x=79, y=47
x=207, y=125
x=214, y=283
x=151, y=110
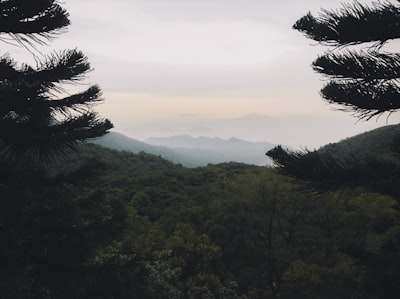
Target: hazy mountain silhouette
x=220, y=150
x=192, y=151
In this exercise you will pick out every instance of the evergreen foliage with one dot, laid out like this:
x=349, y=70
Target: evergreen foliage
x=45, y=235
x=364, y=82
x=38, y=118
x=361, y=81
x=30, y=22
x=228, y=231
x=354, y=23
x=34, y=121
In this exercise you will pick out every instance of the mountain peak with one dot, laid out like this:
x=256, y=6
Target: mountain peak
x=193, y=151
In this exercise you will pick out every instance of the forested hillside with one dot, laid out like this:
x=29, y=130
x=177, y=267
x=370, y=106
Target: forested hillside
x=159, y=230
x=375, y=143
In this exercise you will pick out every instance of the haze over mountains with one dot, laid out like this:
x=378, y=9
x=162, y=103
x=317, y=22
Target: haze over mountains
x=200, y=151
x=301, y=131
x=193, y=151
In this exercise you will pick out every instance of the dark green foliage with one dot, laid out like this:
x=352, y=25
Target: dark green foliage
x=147, y=228
x=231, y=229
x=364, y=82
x=379, y=142
x=320, y=169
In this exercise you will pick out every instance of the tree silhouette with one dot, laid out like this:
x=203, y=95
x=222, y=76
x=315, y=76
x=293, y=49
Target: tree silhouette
x=38, y=118
x=363, y=81
x=43, y=235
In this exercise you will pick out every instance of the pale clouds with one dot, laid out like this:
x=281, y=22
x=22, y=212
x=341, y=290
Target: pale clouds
x=189, y=47
x=217, y=59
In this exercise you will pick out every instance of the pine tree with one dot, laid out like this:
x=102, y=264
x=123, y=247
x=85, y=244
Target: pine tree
x=37, y=117
x=364, y=81
x=42, y=234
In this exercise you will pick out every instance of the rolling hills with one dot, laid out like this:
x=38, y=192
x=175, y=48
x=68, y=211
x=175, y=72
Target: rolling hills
x=200, y=151
x=191, y=151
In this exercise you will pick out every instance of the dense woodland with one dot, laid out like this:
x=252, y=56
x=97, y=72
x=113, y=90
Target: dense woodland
x=81, y=221
x=146, y=228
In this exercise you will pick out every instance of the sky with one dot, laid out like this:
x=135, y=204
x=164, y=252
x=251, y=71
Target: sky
x=218, y=68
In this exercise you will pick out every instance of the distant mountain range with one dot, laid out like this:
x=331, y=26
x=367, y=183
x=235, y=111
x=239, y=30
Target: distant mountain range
x=192, y=151
x=200, y=151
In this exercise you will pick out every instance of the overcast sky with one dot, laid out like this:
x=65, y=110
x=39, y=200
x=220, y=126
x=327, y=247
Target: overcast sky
x=208, y=67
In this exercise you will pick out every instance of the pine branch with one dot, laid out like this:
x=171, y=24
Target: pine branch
x=34, y=123
x=352, y=24
x=22, y=89
x=78, y=102
x=65, y=67
x=71, y=65
x=21, y=140
x=30, y=22
x=297, y=164
x=365, y=99
x=83, y=127
x=322, y=171
x=370, y=65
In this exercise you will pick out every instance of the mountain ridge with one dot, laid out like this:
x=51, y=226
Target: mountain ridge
x=188, y=141
x=377, y=142
x=192, y=151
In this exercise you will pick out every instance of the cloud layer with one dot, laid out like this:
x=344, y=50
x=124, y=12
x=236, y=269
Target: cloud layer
x=157, y=60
